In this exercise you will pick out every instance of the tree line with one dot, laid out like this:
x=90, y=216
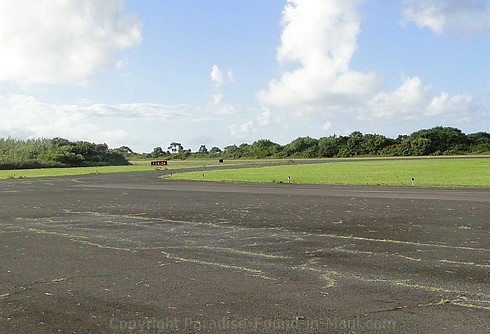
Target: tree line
x=56, y=152
x=434, y=141
x=59, y=152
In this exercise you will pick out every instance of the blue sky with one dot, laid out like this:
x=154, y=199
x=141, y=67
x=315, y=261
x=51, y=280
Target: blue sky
x=144, y=73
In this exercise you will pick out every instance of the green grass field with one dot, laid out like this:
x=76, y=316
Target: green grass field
x=47, y=172
x=440, y=172
x=137, y=166
x=428, y=172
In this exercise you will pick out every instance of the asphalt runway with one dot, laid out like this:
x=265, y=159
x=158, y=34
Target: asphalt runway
x=133, y=253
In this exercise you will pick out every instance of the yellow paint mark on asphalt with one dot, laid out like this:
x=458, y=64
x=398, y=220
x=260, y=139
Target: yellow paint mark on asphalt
x=223, y=249
x=409, y=258
x=351, y=251
x=39, y=231
x=473, y=306
x=461, y=301
x=108, y=215
x=407, y=284
x=441, y=302
x=466, y=263
x=400, y=242
x=331, y=283
x=152, y=219
x=480, y=300
x=13, y=231
x=253, y=272
x=103, y=246
x=57, y=280
x=325, y=275
x=243, y=252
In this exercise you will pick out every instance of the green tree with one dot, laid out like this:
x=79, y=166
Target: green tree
x=243, y=150
x=125, y=150
x=231, y=152
x=479, y=142
x=442, y=139
x=263, y=148
x=373, y=144
x=302, y=147
x=419, y=146
x=214, y=151
x=157, y=152
x=175, y=147
x=328, y=147
x=64, y=156
x=203, y=150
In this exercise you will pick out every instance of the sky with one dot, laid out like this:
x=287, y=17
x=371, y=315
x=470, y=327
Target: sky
x=145, y=73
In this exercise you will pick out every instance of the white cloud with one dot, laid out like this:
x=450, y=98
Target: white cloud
x=242, y=131
x=265, y=118
x=319, y=90
x=219, y=78
x=458, y=107
x=217, y=105
x=327, y=126
x=319, y=38
x=216, y=75
x=415, y=101
x=218, y=98
x=226, y=109
x=229, y=75
x=27, y=117
x=457, y=18
x=150, y=111
x=247, y=130
x=405, y=102
x=53, y=41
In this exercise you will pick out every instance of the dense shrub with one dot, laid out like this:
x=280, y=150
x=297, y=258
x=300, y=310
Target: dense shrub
x=57, y=152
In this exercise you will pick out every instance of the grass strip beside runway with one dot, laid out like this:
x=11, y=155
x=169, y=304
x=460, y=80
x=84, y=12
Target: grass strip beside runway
x=136, y=166
x=472, y=172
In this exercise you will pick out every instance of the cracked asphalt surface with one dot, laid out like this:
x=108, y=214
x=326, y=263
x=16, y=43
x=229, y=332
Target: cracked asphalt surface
x=132, y=253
